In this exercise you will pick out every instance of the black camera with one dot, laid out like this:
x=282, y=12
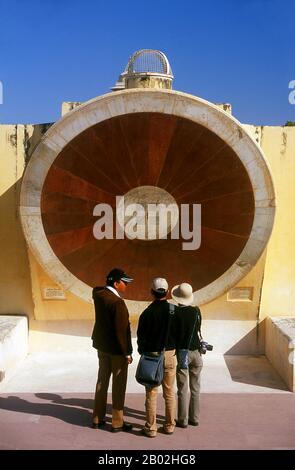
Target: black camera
x=204, y=347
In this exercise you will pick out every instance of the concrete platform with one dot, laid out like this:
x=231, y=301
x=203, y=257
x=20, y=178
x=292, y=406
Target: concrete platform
x=48, y=404
x=76, y=372
x=228, y=421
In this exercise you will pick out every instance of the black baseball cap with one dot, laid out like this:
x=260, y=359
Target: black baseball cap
x=118, y=274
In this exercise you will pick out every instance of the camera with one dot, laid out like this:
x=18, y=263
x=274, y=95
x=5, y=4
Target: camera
x=204, y=347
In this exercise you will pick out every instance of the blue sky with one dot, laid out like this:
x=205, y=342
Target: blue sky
x=241, y=52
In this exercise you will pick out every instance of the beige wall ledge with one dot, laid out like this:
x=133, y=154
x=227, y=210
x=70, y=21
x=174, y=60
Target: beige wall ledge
x=13, y=344
x=279, y=347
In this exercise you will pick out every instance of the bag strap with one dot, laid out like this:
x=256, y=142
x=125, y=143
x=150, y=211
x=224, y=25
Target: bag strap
x=190, y=340
x=199, y=328
x=171, y=312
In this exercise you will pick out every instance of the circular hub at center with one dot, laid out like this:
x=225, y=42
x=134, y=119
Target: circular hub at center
x=147, y=213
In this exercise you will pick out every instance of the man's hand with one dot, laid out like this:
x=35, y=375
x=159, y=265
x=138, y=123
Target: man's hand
x=129, y=359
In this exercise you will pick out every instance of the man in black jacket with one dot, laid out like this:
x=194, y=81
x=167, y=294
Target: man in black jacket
x=154, y=324
x=112, y=338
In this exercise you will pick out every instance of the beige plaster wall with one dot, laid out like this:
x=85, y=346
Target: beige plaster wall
x=70, y=308
x=231, y=326
x=234, y=326
x=278, y=293
x=15, y=284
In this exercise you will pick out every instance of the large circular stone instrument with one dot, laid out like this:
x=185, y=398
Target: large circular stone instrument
x=151, y=147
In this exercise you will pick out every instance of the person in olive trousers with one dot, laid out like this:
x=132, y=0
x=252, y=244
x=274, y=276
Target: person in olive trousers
x=188, y=325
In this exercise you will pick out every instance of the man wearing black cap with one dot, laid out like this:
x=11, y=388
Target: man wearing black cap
x=112, y=338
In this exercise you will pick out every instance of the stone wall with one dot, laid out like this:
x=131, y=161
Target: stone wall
x=280, y=345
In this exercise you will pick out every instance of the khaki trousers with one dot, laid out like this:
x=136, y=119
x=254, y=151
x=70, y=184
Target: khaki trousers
x=117, y=366
x=150, y=426
x=189, y=409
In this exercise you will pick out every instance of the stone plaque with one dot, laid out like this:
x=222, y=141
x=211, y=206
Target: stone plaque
x=240, y=294
x=53, y=293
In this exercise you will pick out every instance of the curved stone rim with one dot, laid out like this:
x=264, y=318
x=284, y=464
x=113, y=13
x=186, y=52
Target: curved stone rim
x=146, y=100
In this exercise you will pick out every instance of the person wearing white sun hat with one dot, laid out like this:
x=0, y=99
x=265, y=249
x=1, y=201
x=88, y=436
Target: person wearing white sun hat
x=183, y=294
x=188, y=324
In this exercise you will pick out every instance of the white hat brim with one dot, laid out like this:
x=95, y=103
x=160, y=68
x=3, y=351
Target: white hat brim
x=181, y=300
x=126, y=279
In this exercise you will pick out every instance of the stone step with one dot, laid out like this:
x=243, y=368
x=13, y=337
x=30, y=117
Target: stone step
x=13, y=344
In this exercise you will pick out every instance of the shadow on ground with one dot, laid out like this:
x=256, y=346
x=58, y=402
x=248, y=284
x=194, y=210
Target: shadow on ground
x=75, y=411
x=252, y=370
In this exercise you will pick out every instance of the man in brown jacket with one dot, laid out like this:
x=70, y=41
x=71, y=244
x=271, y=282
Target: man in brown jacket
x=112, y=338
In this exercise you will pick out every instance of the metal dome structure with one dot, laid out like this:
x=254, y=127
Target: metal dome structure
x=149, y=61
x=146, y=68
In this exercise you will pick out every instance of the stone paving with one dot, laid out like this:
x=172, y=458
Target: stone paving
x=228, y=421
x=48, y=403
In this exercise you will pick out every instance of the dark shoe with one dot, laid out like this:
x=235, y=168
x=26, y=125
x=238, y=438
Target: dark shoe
x=193, y=423
x=147, y=433
x=99, y=425
x=181, y=425
x=166, y=431
x=126, y=427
